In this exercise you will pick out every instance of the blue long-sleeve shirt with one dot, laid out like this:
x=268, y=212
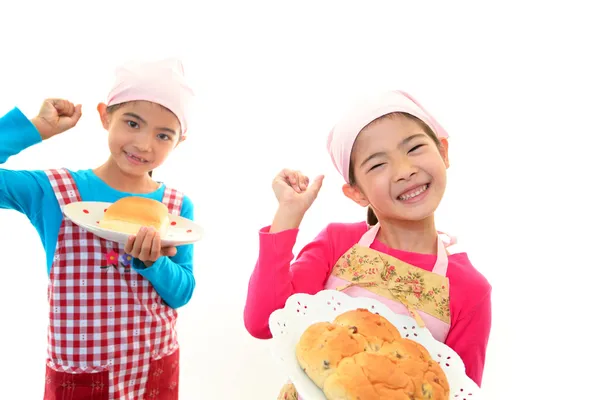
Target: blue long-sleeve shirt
x=30, y=193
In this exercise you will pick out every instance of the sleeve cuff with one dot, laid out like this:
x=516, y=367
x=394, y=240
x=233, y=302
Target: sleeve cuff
x=146, y=272
x=29, y=134
x=280, y=242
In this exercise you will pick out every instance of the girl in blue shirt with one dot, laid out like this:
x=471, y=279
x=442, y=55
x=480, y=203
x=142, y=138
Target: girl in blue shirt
x=111, y=330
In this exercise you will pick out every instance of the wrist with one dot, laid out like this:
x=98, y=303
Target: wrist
x=286, y=219
x=40, y=126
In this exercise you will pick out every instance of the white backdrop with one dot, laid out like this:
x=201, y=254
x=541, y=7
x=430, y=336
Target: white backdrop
x=516, y=87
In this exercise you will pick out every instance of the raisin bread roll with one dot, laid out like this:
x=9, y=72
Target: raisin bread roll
x=416, y=363
x=373, y=327
x=368, y=376
x=322, y=346
x=376, y=376
x=362, y=356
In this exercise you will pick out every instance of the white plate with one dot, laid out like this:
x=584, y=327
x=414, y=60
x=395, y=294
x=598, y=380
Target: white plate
x=302, y=310
x=87, y=215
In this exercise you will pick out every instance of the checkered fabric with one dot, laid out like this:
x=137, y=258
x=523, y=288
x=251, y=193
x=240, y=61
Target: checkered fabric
x=104, y=318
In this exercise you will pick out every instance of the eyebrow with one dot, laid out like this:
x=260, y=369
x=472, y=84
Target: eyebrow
x=143, y=121
x=402, y=143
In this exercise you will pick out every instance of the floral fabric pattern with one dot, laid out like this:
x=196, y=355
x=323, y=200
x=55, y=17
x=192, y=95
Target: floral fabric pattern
x=288, y=392
x=395, y=280
x=116, y=260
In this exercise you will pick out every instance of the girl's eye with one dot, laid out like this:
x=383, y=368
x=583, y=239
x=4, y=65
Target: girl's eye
x=132, y=124
x=375, y=166
x=164, y=136
x=415, y=148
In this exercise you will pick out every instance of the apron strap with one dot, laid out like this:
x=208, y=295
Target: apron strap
x=64, y=186
x=441, y=263
x=173, y=199
x=369, y=237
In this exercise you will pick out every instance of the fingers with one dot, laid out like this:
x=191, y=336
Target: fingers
x=154, y=250
x=169, y=251
x=146, y=246
x=295, y=179
x=65, y=108
x=138, y=241
x=76, y=113
x=129, y=246
x=315, y=187
x=62, y=107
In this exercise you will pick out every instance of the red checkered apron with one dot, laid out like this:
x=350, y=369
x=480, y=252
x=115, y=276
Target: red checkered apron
x=110, y=335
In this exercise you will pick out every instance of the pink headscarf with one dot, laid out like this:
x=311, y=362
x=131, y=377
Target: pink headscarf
x=342, y=136
x=160, y=82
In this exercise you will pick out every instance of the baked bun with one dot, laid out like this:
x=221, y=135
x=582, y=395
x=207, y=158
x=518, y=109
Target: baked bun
x=375, y=376
x=416, y=363
x=361, y=355
x=322, y=346
x=129, y=214
x=368, y=376
x=376, y=329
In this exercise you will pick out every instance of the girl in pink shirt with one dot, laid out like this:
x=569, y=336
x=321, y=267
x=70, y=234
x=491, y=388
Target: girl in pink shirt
x=393, y=156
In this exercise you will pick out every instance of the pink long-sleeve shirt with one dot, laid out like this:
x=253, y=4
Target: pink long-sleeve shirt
x=276, y=277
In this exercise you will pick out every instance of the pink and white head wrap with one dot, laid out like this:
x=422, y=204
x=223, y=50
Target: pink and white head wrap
x=342, y=136
x=160, y=82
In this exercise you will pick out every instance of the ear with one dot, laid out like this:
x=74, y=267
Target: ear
x=444, y=151
x=104, y=118
x=181, y=140
x=353, y=193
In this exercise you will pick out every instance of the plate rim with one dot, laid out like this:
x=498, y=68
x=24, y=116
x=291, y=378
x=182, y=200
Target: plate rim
x=199, y=235
x=277, y=339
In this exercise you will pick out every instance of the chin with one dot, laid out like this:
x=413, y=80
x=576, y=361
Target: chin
x=131, y=170
x=418, y=213
x=415, y=217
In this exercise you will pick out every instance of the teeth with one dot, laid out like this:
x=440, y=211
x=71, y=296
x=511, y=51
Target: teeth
x=136, y=158
x=414, y=193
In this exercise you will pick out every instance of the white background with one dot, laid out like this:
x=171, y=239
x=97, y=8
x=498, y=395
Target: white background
x=516, y=86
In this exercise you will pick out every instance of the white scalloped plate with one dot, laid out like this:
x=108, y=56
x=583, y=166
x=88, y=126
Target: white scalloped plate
x=87, y=214
x=302, y=310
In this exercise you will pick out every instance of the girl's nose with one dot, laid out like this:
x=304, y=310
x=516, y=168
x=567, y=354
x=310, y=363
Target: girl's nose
x=404, y=171
x=143, y=143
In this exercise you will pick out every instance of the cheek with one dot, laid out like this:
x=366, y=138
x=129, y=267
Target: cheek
x=163, y=149
x=115, y=141
x=377, y=186
x=433, y=164
x=437, y=170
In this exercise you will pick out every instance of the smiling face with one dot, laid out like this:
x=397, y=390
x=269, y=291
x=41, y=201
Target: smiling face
x=398, y=167
x=141, y=135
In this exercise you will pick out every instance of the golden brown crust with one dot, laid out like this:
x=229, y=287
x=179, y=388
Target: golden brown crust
x=400, y=369
x=368, y=376
x=128, y=214
x=375, y=328
x=322, y=346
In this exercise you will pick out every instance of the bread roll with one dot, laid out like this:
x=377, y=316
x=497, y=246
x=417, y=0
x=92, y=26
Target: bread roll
x=322, y=346
x=369, y=376
x=361, y=355
x=376, y=329
x=129, y=214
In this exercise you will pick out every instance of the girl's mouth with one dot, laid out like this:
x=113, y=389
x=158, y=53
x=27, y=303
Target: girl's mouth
x=135, y=159
x=413, y=193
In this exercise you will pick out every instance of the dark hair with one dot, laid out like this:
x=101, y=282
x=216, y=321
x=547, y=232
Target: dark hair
x=111, y=109
x=371, y=217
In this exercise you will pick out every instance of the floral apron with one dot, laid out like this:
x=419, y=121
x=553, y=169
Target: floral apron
x=404, y=288
x=110, y=335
